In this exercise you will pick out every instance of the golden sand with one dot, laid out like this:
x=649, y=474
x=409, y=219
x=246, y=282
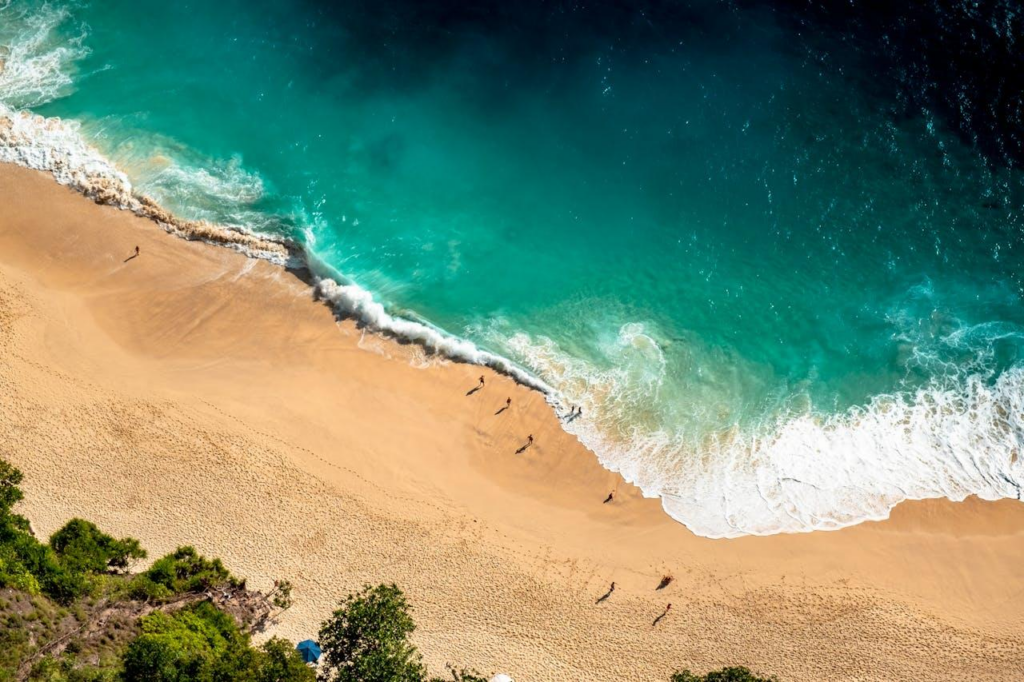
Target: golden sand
x=191, y=395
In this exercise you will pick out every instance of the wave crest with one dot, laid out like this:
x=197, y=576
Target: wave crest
x=351, y=300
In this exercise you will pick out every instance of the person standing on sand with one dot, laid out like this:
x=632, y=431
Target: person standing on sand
x=508, y=403
x=529, y=439
x=136, y=251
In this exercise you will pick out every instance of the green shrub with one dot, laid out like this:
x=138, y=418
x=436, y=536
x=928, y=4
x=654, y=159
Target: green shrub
x=185, y=646
x=280, y=662
x=201, y=643
x=42, y=563
x=10, y=493
x=14, y=573
x=143, y=588
x=84, y=548
x=184, y=570
x=735, y=674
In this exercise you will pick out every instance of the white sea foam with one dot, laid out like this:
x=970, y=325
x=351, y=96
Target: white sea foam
x=351, y=300
x=952, y=438
x=37, y=63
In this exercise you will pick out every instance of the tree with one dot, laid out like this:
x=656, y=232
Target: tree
x=184, y=570
x=84, y=548
x=202, y=643
x=367, y=639
x=14, y=573
x=732, y=674
x=10, y=493
x=280, y=662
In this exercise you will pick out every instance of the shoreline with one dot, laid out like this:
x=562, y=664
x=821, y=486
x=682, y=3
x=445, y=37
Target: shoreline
x=197, y=396
x=54, y=146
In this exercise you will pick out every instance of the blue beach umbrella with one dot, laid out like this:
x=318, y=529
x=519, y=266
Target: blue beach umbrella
x=309, y=650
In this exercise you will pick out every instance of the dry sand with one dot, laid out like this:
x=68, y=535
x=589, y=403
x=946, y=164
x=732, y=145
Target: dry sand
x=194, y=396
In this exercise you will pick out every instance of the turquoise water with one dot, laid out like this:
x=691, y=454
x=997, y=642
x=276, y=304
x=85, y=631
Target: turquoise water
x=786, y=296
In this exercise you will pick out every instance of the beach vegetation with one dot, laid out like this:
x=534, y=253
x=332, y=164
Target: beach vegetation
x=10, y=493
x=64, y=569
x=731, y=674
x=201, y=642
x=182, y=571
x=84, y=548
x=69, y=613
x=281, y=595
x=367, y=639
x=282, y=663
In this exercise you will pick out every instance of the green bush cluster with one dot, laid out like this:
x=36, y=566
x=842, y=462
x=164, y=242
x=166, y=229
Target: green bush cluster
x=183, y=571
x=83, y=548
x=734, y=674
x=66, y=567
x=200, y=643
x=196, y=643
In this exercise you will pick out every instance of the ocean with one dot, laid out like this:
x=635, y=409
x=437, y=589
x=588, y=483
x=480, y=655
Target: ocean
x=773, y=250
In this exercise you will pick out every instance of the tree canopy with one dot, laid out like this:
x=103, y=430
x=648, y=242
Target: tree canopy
x=367, y=639
x=201, y=643
x=83, y=547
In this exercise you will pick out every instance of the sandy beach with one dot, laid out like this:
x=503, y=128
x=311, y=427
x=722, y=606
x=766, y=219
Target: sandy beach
x=194, y=396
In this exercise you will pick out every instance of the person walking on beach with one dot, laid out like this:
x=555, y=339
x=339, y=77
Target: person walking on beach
x=136, y=251
x=611, y=496
x=508, y=403
x=481, y=381
x=612, y=588
x=529, y=439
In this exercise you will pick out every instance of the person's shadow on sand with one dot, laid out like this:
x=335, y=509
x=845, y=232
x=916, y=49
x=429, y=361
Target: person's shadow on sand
x=501, y=410
x=664, y=613
x=529, y=444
